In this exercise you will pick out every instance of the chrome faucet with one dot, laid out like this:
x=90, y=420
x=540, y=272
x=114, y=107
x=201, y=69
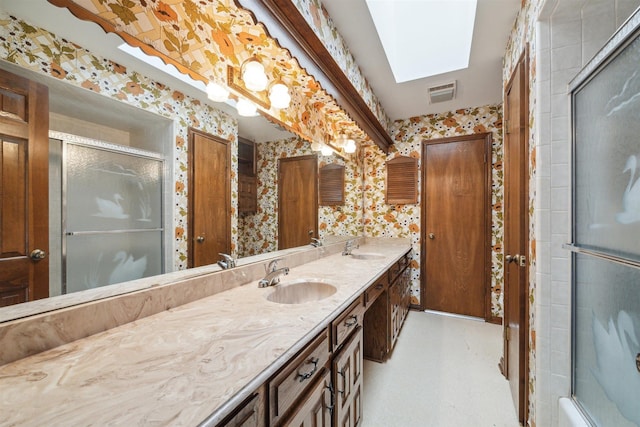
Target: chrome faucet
x=273, y=274
x=349, y=246
x=227, y=261
x=316, y=243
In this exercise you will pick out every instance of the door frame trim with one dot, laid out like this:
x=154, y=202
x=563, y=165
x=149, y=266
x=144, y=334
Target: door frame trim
x=191, y=190
x=290, y=159
x=488, y=140
x=523, y=61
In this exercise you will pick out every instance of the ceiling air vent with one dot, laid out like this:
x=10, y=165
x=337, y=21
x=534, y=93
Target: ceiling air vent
x=441, y=93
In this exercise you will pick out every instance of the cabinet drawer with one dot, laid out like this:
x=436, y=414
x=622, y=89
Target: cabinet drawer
x=249, y=413
x=292, y=381
x=347, y=322
x=315, y=408
x=375, y=290
x=399, y=267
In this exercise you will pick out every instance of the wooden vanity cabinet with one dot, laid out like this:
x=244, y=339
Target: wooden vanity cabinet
x=385, y=316
x=347, y=382
x=315, y=409
x=297, y=378
x=249, y=413
x=347, y=322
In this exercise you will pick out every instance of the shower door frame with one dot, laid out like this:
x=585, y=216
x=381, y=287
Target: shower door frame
x=66, y=139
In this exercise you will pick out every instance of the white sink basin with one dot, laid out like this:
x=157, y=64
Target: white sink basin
x=367, y=255
x=301, y=291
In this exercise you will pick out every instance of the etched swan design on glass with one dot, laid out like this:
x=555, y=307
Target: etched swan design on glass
x=626, y=97
x=616, y=348
x=631, y=196
x=111, y=208
x=127, y=269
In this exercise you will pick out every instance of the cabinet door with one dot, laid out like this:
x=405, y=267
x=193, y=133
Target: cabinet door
x=250, y=413
x=315, y=410
x=347, y=380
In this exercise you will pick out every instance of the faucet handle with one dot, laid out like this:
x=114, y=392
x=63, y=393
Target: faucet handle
x=228, y=260
x=316, y=242
x=273, y=265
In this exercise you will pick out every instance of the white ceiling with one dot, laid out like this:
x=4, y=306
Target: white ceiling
x=480, y=84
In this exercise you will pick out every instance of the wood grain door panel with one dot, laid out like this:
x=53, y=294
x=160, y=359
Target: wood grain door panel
x=455, y=233
x=24, y=191
x=348, y=381
x=297, y=201
x=209, y=199
x=514, y=363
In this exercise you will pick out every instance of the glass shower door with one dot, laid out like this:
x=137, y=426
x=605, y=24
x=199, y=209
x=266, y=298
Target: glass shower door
x=112, y=216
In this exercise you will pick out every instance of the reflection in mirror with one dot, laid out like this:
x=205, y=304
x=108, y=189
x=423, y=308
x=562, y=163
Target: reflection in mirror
x=100, y=93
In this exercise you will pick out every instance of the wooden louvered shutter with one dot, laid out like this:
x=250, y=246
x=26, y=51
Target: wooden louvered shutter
x=402, y=181
x=331, y=185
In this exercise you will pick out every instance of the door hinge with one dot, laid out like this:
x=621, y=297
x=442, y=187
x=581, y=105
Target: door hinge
x=506, y=332
x=506, y=126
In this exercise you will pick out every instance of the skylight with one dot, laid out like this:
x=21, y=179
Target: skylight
x=422, y=38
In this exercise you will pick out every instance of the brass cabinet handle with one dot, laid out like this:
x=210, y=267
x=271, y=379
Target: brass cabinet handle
x=200, y=239
x=432, y=236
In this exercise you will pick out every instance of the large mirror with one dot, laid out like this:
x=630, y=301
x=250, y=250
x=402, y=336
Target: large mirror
x=118, y=138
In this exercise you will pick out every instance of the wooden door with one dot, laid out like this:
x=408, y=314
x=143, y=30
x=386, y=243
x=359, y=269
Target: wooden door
x=348, y=380
x=297, y=201
x=24, y=190
x=315, y=409
x=515, y=361
x=209, y=198
x=456, y=225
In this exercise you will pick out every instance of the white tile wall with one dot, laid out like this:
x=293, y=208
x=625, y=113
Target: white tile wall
x=570, y=34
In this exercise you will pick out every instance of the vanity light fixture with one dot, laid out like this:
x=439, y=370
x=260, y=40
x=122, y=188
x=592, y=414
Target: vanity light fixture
x=350, y=146
x=279, y=95
x=316, y=146
x=341, y=140
x=246, y=108
x=326, y=150
x=253, y=75
x=216, y=92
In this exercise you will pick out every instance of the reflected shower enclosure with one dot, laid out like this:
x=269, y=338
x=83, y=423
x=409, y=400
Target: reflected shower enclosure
x=112, y=218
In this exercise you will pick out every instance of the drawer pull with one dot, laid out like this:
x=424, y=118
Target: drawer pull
x=351, y=321
x=307, y=375
x=379, y=286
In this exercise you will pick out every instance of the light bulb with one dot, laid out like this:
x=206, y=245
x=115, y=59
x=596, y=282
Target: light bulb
x=279, y=96
x=253, y=76
x=341, y=140
x=246, y=108
x=350, y=146
x=216, y=92
x=326, y=150
x=316, y=146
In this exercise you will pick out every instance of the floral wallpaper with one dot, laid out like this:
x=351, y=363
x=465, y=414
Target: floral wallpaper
x=258, y=233
x=208, y=36
x=523, y=34
x=38, y=50
x=321, y=24
x=382, y=220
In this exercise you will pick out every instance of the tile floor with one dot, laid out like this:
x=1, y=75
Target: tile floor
x=443, y=373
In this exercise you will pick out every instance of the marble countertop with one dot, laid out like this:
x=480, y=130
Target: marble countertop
x=185, y=365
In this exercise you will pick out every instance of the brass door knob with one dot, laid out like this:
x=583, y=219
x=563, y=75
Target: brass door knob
x=37, y=254
x=200, y=239
x=432, y=236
